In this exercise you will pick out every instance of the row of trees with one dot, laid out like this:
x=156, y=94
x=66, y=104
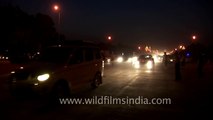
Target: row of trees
x=21, y=32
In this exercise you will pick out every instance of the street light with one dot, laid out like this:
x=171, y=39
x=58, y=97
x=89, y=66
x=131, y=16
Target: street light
x=182, y=47
x=57, y=9
x=109, y=38
x=194, y=37
x=139, y=47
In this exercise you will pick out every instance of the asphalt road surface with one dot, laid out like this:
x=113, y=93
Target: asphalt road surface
x=189, y=98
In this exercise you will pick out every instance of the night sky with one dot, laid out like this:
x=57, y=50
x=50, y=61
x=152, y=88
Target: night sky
x=163, y=24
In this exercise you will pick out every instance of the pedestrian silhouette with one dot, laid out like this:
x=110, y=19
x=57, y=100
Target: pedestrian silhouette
x=183, y=60
x=165, y=59
x=177, y=67
x=200, y=66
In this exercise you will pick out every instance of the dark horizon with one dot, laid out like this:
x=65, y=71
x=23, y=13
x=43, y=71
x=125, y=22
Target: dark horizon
x=162, y=24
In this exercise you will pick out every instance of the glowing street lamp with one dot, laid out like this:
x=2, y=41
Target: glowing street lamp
x=109, y=38
x=57, y=9
x=139, y=47
x=194, y=37
x=182, y=47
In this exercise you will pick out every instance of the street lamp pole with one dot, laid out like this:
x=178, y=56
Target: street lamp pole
x=57, y=9
x=59, y=24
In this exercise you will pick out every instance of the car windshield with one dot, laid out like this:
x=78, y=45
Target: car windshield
x=55, y=55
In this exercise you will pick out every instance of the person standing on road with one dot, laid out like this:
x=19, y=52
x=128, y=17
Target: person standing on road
x=177, y=66
x=165, y=59
x=183, y=60
x=200, y=65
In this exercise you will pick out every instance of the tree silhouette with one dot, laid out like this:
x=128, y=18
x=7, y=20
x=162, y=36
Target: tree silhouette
x=22, y=33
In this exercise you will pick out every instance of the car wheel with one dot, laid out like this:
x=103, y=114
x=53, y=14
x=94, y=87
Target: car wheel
x=96, y=81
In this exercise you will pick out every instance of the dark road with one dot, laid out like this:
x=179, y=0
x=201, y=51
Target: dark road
x=190, y=97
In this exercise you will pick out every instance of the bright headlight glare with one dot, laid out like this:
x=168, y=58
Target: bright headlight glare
x=149, y=65
x=129, y=60
x=137, y=64
x=43, y=77
x=120, y=59
x=108, y=60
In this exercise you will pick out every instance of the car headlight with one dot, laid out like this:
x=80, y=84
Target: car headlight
x=120, y=59
x=129, y=60
x=43, y=77
x=149, y=65
x=136, y=64
x=108, y=60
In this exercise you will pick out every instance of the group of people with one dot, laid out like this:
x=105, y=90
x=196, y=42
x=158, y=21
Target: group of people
x=180, y=61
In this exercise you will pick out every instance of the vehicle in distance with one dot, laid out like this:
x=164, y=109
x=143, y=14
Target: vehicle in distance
x=143, y=59
x=60, y=70
x=170, y=58
x=146, y=60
